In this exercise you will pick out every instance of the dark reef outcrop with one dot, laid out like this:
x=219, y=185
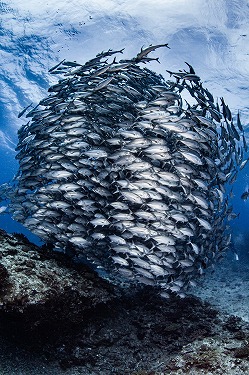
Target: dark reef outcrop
x=38, y=284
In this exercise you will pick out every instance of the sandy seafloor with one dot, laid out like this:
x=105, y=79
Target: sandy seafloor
x=226, y=289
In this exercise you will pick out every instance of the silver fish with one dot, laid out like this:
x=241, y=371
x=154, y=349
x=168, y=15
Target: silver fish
x=117, y=165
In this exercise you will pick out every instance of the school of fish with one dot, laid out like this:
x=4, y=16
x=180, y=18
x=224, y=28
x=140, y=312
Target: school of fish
x=117, y=168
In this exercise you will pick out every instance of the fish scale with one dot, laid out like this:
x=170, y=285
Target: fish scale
x=113, y=153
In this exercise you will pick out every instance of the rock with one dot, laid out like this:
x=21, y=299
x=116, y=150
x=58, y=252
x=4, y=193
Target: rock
x=39, y=285
x=57, y=316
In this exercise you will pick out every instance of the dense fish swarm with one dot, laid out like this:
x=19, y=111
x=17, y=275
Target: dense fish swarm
x=115, y=165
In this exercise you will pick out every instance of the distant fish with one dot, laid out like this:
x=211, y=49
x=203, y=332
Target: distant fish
x=24, y=110
x=144, y=52
x=56, y=66
x=3, y=209
x=191, y=69
x=239, y=123
x=245, y=195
